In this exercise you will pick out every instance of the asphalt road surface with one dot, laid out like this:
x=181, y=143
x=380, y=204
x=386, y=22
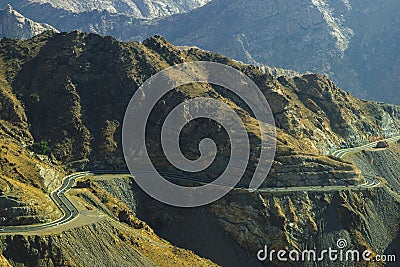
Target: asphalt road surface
x=58, y=196
x=342, y=152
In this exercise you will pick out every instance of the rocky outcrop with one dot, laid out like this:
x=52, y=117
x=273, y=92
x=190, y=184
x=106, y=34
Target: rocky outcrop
x=15, y=25
x=382, y=144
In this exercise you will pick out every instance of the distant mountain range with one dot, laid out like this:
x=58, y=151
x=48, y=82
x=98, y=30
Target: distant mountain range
x=13, y=24
x=136, y=8
x=355, y=42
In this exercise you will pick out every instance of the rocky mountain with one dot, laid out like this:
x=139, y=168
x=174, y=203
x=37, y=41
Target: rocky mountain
x=29, y=172
x=15, y=25
x=299, y=103
x=65, y=95
x=148, y=9
x=354, y=42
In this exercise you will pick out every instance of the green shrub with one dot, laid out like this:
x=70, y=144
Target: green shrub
x=42, y=148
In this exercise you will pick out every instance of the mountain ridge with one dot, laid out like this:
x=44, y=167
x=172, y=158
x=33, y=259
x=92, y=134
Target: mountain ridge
x=65, y=95
x=148, y=9
x=310, y=107
x=353, y=42
x=15, y=25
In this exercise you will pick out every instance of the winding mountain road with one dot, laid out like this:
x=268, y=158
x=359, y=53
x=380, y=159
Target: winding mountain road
x=70, y=212
x=63, y=203
x=342, y=152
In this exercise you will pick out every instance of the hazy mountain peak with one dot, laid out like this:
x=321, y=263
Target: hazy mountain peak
x=137, y=8
x=13, y=24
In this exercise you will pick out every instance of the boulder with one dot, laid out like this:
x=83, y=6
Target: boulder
x=382, y=144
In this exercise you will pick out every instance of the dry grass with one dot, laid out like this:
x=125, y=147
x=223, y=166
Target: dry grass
x=21, y=180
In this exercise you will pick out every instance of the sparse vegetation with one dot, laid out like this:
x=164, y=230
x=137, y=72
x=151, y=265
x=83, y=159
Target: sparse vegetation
x=42, y=148
x=80, y=113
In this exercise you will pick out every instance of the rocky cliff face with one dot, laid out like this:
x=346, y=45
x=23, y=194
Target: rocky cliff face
x=65, y=95
x=15, y=25
x=354, y=42
x=241, y=224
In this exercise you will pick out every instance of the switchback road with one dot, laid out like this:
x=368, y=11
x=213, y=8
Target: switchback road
x=58, y=196
x=70, y=212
